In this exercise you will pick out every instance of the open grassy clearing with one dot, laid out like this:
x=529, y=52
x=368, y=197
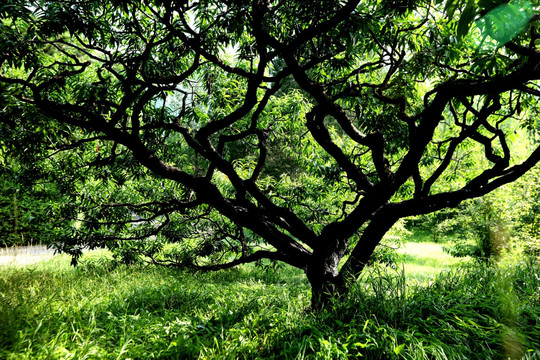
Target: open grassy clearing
x=50, y=310
x=423, y=261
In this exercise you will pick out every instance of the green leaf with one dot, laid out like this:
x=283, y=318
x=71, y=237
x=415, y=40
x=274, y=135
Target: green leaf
x=362, y=345
x=489, y=4
x=466, y=19
x=450, y=7
x=399, y=349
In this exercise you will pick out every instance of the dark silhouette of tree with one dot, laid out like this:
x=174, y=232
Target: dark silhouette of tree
x=247, y=130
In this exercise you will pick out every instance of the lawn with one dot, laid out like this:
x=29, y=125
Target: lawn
x=50, y=310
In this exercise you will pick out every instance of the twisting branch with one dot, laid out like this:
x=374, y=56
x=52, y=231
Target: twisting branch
x=320, y=133
x=257, y=256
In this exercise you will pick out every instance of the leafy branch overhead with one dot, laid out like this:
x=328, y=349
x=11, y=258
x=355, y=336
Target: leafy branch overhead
x=242, y=130
x=500, y=21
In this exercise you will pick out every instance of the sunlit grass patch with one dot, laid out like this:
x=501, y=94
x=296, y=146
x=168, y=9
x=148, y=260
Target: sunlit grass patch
x=419, y=235
x=425, y=260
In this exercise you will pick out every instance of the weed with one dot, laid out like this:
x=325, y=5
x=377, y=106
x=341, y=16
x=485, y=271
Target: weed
x=53, y=311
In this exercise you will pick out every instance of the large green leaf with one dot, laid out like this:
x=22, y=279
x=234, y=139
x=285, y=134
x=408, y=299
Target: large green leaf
x=466, y=19
x=505, y=22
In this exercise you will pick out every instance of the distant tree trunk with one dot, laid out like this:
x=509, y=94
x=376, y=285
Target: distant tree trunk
x=15, y=215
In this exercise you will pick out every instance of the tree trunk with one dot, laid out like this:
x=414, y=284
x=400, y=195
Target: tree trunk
x=327, y=281
x=370, y=239
x=323, y=275
x=325, y=285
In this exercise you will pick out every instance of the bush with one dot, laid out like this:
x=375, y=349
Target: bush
x=508, y=218
x=479, y=232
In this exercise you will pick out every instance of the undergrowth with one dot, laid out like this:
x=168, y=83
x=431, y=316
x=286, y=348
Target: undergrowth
x=102, y=311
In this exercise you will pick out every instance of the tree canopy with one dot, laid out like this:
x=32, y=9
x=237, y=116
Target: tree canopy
x=242, y=130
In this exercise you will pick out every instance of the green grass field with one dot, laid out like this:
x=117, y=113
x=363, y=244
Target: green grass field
x=423, y=261
x=430, y=308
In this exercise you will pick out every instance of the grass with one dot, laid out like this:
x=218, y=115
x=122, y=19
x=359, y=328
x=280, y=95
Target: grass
x=424, y=261
x=50, y=310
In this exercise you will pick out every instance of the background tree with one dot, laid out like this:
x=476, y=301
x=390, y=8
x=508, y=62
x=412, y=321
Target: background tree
x=244, y=130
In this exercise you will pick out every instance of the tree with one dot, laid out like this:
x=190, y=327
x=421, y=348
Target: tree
x=31, y=190
x=247, y=130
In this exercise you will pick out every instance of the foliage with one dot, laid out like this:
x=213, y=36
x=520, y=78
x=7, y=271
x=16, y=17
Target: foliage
x=29, y=211
x=246, y=130
x=482, y=225
x=56, y=311
x=504, y=220
x=527, y=224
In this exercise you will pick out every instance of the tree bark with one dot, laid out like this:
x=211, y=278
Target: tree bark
x=323, y=273
x=327, y=280
x=370, y=239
